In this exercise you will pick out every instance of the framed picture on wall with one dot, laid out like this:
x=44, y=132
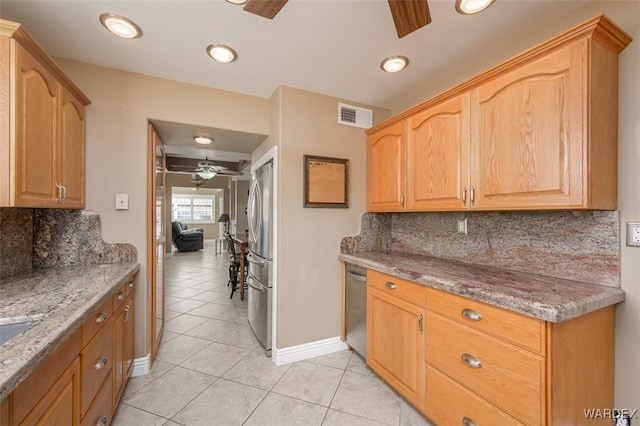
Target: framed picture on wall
x=326, y=182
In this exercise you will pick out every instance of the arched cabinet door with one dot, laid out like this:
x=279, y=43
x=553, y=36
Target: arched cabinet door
x=36, y=140
x=530, y=139
x=386, y=174
x=438, y=144
x=71, y=149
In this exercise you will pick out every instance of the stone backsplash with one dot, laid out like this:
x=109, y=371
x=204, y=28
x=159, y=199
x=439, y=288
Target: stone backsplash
x=51, y=238
x=576, y=245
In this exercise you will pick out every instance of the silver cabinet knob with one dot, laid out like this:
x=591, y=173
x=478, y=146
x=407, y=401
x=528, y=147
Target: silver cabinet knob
x=471, y=361
x=102, y=362
x=102, y=317
x=390, y=285
x=471, y=314
x=466, y=421
x=102, y=421
x=122, y=296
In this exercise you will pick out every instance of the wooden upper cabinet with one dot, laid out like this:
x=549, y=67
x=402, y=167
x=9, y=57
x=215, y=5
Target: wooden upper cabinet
x=35, y=138
x=386, y=169
x=42, y=127
x=438, y=157
x=531, y=145
x=536, y=132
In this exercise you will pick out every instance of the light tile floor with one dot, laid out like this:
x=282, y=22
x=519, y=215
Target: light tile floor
x=211, y=370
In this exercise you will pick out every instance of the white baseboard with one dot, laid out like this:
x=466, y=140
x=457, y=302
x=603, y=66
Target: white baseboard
x=141, y=366
x=308, y=350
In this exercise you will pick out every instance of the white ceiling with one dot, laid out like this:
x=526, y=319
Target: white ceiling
x=332, y=47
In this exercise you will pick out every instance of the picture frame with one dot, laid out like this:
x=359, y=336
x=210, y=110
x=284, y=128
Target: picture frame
x=326, y=182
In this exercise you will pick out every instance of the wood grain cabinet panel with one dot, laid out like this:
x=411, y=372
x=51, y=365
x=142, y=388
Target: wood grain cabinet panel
x=96, y=365
x=395, y=342
x=71, y=149
x=386, y=169
x=438, y=144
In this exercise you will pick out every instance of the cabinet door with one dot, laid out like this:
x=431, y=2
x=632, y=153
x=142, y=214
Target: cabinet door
x=36, y=154
x=386, y=169
x=118, y=354
x=59, y=405
x=395, y=344
x=530, y=135
x=71, y=149
x=438, y=157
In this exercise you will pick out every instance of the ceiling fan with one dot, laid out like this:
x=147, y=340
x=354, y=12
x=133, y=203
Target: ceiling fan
x=205, y=169
x=408, y=15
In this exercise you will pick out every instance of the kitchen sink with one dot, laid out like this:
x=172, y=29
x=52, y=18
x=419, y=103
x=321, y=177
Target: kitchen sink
x=13, y=326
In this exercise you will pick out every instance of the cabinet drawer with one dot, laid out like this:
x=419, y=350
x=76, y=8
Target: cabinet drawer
x=503, y=374
x=100, y=411
x=448, y=403
x=518, y=329
x=96, y=363
x=119, y=297
x=96, y=321
x=397, y=287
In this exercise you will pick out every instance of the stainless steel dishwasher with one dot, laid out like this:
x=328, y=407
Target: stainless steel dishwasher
x=356, y=308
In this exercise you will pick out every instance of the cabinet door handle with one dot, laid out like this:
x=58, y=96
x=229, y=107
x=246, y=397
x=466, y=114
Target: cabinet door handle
x=471, y=361
x=126, y=313
x=420, y=320
x=64, y=194
x=464, y=196
x=102, y=362
x=471, y=314
x=402, y=200
x=102, y=317
x=473, y=195
x=466, y=421
x=122, y=295
x=59, y=190
x=390, y=285
x=102, y=421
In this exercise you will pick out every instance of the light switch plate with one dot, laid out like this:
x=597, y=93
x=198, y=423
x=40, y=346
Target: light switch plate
x=122, y=201
x=633, y=234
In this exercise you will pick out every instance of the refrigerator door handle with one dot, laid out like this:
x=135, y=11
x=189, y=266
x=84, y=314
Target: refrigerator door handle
x=255, y=218
x=258, y=289
x=255, y=261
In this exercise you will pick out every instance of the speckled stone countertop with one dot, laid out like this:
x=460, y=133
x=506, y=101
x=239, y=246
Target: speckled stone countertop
x=62, y=299
x=538, y=296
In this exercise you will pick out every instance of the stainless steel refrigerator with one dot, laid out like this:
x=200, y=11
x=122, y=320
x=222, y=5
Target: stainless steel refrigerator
x=260, y=256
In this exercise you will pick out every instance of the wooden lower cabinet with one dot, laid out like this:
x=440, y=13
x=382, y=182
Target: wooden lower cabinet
x=76, y=385
x=463, y=362
x=395, y=336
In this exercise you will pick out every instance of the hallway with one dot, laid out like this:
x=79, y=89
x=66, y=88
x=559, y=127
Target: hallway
x=211, y=370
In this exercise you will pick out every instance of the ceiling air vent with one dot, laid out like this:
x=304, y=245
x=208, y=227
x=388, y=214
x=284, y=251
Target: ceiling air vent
x=355, y=116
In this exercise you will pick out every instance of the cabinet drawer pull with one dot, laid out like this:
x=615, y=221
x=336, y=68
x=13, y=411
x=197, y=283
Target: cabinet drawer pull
x=466, y=421
x=420, y=320
x=471, y=314
x=473, y=195
x=102, y=362
x=122, y=296
x=102, y=421
x=132, y=284
x=464, y=196
x=471, y=361
x=390, y=285
x=126, y=313
x=102, y=317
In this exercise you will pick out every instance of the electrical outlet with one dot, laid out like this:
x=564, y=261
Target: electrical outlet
x=633, y=234
x=462, y=226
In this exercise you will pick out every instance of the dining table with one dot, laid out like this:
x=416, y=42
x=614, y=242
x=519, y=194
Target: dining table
x=242, y=242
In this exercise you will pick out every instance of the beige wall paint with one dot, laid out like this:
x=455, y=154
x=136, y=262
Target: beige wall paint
x=116, y=153
x=627, y=15
x=308, y=305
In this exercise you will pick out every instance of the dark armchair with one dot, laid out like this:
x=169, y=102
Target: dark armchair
x=186, y=239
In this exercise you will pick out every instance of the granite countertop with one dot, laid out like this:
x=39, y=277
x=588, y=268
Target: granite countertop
x=62, y=299
x=538, y=296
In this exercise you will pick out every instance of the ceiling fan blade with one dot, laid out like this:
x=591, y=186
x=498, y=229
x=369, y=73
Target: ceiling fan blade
x=409, y=15
x=229, y=173
x=265, y=8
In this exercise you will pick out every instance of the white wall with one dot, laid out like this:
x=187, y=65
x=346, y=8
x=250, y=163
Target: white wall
x=116, y=154
x=627, y=15
x=308, y=305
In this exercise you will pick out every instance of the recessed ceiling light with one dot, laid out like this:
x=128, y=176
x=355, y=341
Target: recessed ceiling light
x=202, y=140
x=120, y=26
x=221, y=53
x=237, y=1
x=469, y=7
x=394, y=63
